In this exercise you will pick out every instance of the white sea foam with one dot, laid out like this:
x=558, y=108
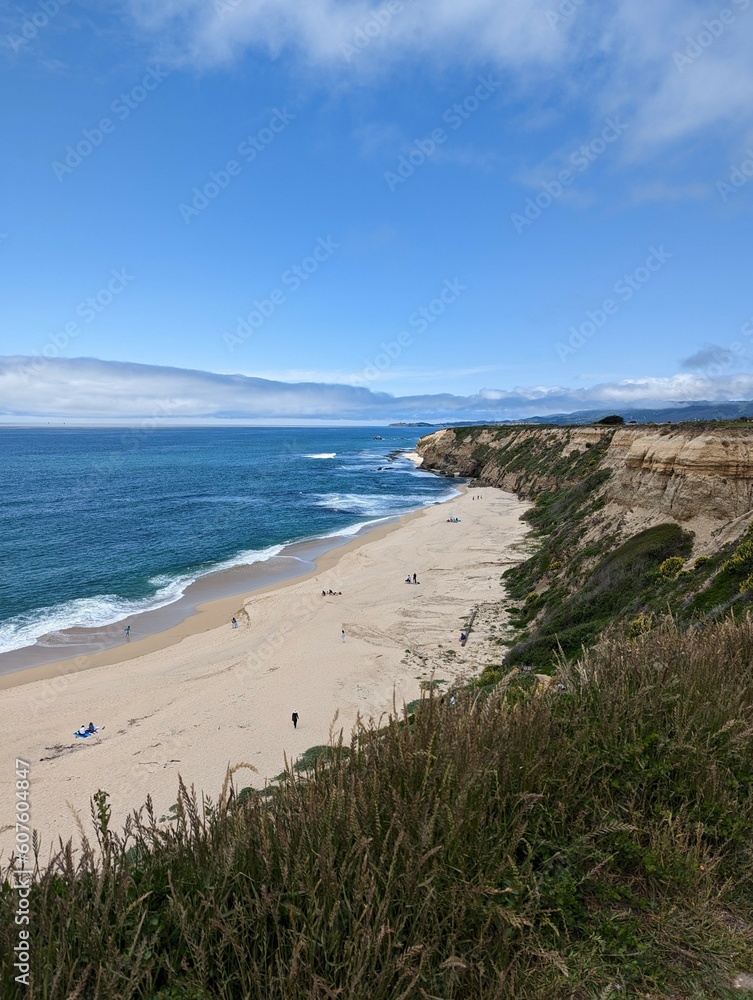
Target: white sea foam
x=324, y=454
x=83, y=612
x=45, y=625
x=353, y=529
x=378, y=505
x=375, y=504
x=246, y=558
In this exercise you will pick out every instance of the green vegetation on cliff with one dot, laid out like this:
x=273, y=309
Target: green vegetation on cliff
x=583, y=576
x=592, y=842
x=615, y=588
x=533, y=461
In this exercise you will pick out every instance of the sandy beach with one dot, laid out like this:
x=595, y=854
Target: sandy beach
x=196, y=698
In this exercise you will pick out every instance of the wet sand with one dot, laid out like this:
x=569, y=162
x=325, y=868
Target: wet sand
x=200, y=696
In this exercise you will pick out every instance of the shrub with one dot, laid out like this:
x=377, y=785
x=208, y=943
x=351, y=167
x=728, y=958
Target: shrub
x=669, y=569
x=613, y=418
x=640, y=625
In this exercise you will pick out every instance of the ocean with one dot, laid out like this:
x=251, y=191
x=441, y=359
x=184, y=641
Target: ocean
x=98, y=525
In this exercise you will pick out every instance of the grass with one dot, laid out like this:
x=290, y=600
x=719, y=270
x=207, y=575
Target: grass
x=732, y=584
x=592, y=842
x=616, y=588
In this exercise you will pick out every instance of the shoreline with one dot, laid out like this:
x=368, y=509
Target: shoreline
x=198, y=609
x=188, y=704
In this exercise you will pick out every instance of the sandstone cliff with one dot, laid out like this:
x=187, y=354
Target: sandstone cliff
x=700, y=477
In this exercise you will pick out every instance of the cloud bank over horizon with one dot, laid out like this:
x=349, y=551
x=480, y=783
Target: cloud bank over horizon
x=88, y=390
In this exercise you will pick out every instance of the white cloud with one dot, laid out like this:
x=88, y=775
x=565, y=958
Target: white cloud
x=613, y=56
x=208, y=33
x=714, y=359
x=109, y=391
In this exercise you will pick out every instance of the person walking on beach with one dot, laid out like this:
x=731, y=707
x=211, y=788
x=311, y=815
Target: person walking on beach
x=414, y=578
x=342, y=633
x=127, y=631
x=295, y=720
x=234, y=622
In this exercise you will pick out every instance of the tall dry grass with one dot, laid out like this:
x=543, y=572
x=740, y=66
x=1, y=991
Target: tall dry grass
x=592, y=842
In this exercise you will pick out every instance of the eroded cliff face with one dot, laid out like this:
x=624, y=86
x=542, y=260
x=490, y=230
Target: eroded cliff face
x=699, y=477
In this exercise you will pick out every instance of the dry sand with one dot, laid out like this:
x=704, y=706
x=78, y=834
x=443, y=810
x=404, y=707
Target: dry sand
x=202, y=696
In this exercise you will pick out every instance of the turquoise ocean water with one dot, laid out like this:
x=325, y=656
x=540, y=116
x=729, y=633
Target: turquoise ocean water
x=99, y=525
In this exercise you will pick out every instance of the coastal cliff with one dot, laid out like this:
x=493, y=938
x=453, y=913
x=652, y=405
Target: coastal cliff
x=628, y=524
x=700, y=477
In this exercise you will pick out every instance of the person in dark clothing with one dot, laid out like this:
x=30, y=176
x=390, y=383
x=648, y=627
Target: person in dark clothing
x=295, y=720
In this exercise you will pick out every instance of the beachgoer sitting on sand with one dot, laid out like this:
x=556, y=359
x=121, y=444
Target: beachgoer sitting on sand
x=91, y=728
x=407, y=579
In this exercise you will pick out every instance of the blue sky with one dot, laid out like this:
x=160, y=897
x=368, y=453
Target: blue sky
x=536, y=205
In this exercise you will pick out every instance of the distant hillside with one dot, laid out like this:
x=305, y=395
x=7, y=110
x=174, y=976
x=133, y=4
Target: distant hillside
x=628, y=523
x=697, y=410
